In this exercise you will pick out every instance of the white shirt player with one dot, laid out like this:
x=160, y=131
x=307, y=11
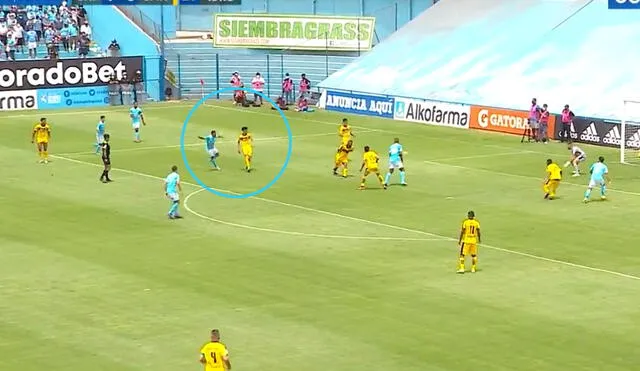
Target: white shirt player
x=578, y=153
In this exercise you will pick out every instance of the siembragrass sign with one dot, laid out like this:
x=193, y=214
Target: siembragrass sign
x=293, y=32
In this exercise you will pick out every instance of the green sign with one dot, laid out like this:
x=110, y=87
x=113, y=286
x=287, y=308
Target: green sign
x=293, y=32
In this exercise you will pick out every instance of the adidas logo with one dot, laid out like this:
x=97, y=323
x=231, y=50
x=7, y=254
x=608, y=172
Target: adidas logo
x=590, y=134
x=634, y=140
x=613, y=136
x=572, y=132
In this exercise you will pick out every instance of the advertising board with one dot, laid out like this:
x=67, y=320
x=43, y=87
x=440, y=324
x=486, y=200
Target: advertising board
x=18, y=100
x=66, y=73
x=359, y=104
x=293, y=32
x=504, y=120
x=73, y=97
x=432, y=112
x=601, y=133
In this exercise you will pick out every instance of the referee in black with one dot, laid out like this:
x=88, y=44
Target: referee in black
x=106, y=159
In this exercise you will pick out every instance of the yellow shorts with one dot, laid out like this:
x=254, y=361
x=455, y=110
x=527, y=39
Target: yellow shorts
x=373, y=170
x=468, y=249
x=341, y=159
x=247, y=151
x=42, y=141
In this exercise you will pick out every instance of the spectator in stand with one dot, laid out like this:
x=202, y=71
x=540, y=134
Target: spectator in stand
x=73, y=37
x=114, y=48
x=65, y=37
x=287, y=88
x=32, y=43
x=304, y=85
x=18, y=34
x=86, y=29
x=567, y=119
x=4, y=28
x=257, y=84
x=10, y=46
x=83, y=45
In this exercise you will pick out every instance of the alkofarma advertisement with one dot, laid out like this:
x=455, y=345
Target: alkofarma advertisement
x=293, y=32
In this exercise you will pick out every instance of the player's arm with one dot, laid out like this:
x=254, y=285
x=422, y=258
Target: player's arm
x=179, y=184
x=164, y=187
x=479, y=240
x=48, y=133
x=239, y=150
x=33, y=135
x=461, y=235
x=142, y=119
x=202, y=138
x=203, y=359
x=364, y=163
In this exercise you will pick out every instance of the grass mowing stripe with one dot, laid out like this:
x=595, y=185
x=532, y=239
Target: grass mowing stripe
x=390, y=226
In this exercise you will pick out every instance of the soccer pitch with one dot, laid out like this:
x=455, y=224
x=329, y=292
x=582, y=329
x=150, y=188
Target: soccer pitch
x=312, y=275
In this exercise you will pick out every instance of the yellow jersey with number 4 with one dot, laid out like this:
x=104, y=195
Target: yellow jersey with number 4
x=214, y=353
x=471, y=229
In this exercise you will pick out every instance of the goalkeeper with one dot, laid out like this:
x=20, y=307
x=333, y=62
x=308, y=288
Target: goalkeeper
x=577, y=156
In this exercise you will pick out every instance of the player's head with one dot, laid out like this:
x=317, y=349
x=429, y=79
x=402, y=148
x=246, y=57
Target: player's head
x=215, y=335
x=549, y=161
x=396, y=140
x=244, y=129
x=471, y=214
x=106, y=137
x=345, y=122
x=601, y=159
x=174, y=168
x=534, y=101
x=43, y=121
x=350, y=143
x=102, y=117
x=367, y=149
x=213, y=133
x=135, y=104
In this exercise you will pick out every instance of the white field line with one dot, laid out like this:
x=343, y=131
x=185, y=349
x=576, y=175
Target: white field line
x=292, y=233
x=379, y=224
x=523, y=176
x=221, y=141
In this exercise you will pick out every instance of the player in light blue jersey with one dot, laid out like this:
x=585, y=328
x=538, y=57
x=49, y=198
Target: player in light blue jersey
x=136, y=117
x=599, y=177
x=101, y=128
x=396, y=162
x=172, y=189
x=210, y=147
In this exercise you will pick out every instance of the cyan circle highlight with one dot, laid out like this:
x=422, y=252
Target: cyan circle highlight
x=242, y=195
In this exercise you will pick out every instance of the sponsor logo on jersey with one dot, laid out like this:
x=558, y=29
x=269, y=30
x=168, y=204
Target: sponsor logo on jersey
x=590, y=134
x=613, y=136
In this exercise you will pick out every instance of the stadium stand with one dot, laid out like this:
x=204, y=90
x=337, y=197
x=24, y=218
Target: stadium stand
x=58, y=32
x=461, y=53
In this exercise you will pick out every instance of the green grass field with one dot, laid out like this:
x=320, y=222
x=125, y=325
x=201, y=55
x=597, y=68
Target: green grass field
x=312, y=275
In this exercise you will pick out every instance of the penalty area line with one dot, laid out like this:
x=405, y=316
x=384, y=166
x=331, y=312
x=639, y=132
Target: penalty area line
x=293, y=233
x=380, y=224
